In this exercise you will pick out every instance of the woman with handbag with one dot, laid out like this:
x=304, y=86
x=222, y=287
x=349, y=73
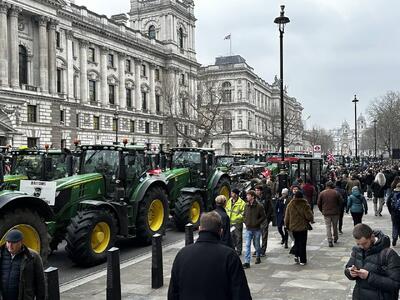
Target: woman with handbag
x=298, y=217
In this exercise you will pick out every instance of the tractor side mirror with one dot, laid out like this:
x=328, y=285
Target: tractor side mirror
x=163, y=161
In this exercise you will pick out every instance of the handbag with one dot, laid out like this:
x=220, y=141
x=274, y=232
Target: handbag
x=309, y=227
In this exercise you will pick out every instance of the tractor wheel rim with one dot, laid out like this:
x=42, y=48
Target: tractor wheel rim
x=155, y=216
x=224, y=191
x=100, y=238
x=195, y=212
x=31, y=236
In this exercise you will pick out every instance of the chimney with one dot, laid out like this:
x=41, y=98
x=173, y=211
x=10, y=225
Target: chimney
x=120, y=19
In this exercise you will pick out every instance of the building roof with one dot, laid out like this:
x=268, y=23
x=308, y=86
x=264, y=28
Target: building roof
x=229, y=60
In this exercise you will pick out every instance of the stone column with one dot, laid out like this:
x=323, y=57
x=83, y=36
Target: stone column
x=43, y=52
x=152, y=89
x=14, y=47
x=83, y=64
x=138, y=93
x=103, y=76
x=52, y=57
x=3, y=45
x=121, y=72
x=70, y=67
x=194, y=37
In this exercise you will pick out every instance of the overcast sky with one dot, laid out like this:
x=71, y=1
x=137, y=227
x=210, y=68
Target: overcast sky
x=333, y=49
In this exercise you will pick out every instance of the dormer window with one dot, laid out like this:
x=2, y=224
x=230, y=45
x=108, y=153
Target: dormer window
x=152, y=32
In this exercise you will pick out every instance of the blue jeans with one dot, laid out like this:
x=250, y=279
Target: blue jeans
x=254, y=235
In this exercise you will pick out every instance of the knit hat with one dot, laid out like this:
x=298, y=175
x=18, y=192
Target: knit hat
x=14, y=236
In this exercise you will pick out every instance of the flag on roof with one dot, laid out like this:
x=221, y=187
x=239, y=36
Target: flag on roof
x=228, y=37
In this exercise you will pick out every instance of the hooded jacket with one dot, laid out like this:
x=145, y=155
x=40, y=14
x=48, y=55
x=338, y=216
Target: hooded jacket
x=383, y=281
x=356, y=202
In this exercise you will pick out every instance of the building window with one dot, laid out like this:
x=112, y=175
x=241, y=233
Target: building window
x=92, y=90
x=180, y=37
x=23, y=65
x=158, y=103
x=63, y=144
x=62, y=116
x=152, y=32
x=111, y=60
x=147, y=127
x=144, y=70
x=144, y=100
x=186, y=130
x=182, y=79
x=227, y=93
x=75, y=86
x=96, y=123
x=111, y=94
x=184, y=107
x=32, y=113
x=33, y=142
x=132, y=126
x=59, y=80
x=128, y=66
x=161, y=129
x=91, y=54
x=227, y=124
x=58, y=39
x=157, y=74
x=129, y=98
x=78, y=122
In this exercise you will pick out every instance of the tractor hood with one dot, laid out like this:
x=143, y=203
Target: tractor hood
x=13, y=178
x=169, y=174
x=68, y=182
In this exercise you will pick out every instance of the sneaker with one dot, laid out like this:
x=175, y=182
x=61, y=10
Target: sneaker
x=330, y=244
x=246, y=266
x=258, y=261
x=302, y=264
x=296, y=260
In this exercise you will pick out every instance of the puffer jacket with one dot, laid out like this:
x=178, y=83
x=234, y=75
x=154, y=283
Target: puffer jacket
x=356, y=203
x=298, y=214
x=32, y=282
x=383, y=281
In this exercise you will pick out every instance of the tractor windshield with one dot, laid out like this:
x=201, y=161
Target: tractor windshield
x=185, y=159
x=100, y=161
x=225, y=161
x=29, y=165
x=59, y=167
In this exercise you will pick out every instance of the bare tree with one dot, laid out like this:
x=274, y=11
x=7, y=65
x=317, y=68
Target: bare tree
x=194, y=117
x=319, y=136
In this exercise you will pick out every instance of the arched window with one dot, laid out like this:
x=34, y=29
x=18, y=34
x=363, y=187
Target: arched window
x=240, y=124
x=152, y=32
x=180, y=37
x=23, y=65
x=226, y=93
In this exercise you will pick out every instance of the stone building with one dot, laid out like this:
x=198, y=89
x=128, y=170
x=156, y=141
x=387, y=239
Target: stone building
x=68, y=73
x=251, y=109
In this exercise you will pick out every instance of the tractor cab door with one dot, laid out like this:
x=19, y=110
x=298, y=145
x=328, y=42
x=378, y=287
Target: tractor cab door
x=134, y=169
x=195, y=165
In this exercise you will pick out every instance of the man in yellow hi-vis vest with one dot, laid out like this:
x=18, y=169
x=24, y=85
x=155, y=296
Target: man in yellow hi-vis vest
x=235, y=210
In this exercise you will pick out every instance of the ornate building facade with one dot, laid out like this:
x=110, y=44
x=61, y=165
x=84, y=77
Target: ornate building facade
x=250, y=109
x=68, y=73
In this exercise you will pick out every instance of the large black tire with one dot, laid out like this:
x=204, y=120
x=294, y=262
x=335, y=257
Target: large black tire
x=188, y=209
x=152, y=215
x=223, y=187
x=32, y=226
x=89, y=236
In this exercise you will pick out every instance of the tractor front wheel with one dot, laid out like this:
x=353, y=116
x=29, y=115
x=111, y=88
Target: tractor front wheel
x=152, y=215
x=32, y=227
x=89, y=235
x=223, y=188
x=188, y=209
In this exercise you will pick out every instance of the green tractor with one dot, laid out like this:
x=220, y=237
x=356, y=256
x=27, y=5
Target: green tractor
x=193, y=183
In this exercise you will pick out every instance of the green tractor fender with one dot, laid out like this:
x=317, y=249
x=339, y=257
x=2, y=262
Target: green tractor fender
x=119, y=209
x=10, y=200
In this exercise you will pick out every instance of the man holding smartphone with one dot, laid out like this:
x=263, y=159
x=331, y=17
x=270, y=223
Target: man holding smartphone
x=374, y=265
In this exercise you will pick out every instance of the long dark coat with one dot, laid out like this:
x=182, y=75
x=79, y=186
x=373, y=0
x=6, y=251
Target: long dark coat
x=383, y=281
x=208, y=270
x=226, y=238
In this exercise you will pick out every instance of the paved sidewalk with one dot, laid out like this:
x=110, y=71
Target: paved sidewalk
x=277, y=277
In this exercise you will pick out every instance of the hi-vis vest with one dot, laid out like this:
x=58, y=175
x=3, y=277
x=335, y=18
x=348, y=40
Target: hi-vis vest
x=236, y=211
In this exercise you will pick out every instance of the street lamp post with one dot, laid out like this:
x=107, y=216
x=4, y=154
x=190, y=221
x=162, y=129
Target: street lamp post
x=282, y=21
x=116, y=118
x=355, y=100
x=375, y=137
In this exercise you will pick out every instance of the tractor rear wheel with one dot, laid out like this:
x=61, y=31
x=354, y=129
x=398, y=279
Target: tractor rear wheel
x=152, y=215
x=89, y=235
x=188, y=209
x=223, y=188
x=32, y=227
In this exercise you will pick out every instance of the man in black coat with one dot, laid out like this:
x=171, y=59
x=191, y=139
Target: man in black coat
x=21, y=270
x=226, y=238
x=208, y=269
x=374, y=266
x=264, y=196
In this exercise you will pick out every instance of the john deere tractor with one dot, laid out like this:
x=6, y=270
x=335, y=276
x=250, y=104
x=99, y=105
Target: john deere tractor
x=193, y=183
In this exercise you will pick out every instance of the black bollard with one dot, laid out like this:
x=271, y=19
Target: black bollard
x=188, y=234
x=113, y=275
x=157, y=279
x=53, y=287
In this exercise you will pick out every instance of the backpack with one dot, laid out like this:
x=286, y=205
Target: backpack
x=396, y=202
